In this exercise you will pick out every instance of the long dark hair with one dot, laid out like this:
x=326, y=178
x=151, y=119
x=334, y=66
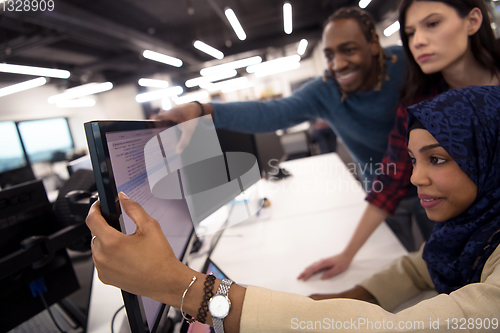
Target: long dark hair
x=483, y=45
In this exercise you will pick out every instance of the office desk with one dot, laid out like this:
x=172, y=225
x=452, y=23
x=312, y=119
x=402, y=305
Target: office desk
x=310, y=217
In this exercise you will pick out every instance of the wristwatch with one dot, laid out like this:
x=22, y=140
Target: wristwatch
x=219, y=305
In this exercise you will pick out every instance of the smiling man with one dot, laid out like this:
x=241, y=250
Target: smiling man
x=357, y=96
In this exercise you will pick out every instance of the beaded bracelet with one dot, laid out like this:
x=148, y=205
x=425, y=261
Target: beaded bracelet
x=208, y=294
x=188, y=320
x=202, y=108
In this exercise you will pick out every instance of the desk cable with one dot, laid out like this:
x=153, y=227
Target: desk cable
x=114, y=317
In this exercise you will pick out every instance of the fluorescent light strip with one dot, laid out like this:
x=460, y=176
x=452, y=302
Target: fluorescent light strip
x=231, y=16
x=210, y=78
x=166, y=104
x=163, y=58
x=81, y=91
x=364, y=3
x=225, y=84
x=239, y=87
x=208, y=50
x=153, y=83
x=77, y=103
x=191, y=97
x=302, y=47
x=277, y=69
x=38, y=71
x=22, y=86
x=231, y=65
x=390, y=30
x=158, y=94
x=287, y=18
x=269, y=65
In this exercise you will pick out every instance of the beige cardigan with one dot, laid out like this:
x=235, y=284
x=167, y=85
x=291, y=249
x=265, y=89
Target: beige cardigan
x=472, y=307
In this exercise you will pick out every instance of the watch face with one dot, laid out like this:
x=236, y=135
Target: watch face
x=219, y=306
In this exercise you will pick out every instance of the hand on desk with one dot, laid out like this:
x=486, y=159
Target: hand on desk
x=330, y=266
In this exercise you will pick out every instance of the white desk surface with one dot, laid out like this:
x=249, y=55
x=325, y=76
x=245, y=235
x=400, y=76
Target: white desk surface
x=312, y=215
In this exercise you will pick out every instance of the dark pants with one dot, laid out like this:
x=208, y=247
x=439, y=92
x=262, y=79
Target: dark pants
x=401, y=222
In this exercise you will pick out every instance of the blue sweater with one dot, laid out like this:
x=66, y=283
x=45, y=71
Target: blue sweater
x=363, y=121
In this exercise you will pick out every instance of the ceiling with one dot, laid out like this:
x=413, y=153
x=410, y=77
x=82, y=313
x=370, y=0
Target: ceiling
x=103, y=40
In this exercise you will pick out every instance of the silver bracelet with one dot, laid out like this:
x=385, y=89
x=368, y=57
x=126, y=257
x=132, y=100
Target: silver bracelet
x=188, y=320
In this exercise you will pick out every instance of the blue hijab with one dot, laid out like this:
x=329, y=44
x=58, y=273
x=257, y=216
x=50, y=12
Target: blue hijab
x=466, y=122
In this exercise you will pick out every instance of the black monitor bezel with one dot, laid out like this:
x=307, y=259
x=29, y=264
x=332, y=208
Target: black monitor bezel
x=108, y=196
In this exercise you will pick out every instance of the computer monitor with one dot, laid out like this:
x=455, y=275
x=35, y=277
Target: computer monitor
x=14, y=165
x=46, y=140
x=265, y=146
x=270, y=152
x=30, y=250
x=117, y=155
x=79, y=164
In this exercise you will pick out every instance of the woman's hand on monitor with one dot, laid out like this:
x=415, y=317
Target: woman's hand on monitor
x=142, y=263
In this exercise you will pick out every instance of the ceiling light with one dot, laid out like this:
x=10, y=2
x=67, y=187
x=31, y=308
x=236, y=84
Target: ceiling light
x=302, y=47
x=231, y=65
x=77, y=103
x=269, y=65
x=208, y=49
x=157, y=94
x=390, y=30
x=364, y=3
x=287, y=18
x=166, y=104
x=211, y=78
x=38, y=71
x=22, y=86
x=225, y=84
x=81, y=91
x=284, y=67
x=231, y=16
x=191, y=97
x=153, y=83
x=152, y=55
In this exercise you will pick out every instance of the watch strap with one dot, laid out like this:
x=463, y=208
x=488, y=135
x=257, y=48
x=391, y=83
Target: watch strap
x=218, y=325
x=224, y=291
x=224, y=287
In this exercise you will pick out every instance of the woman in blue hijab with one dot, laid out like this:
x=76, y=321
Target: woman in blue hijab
x=465, y=124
